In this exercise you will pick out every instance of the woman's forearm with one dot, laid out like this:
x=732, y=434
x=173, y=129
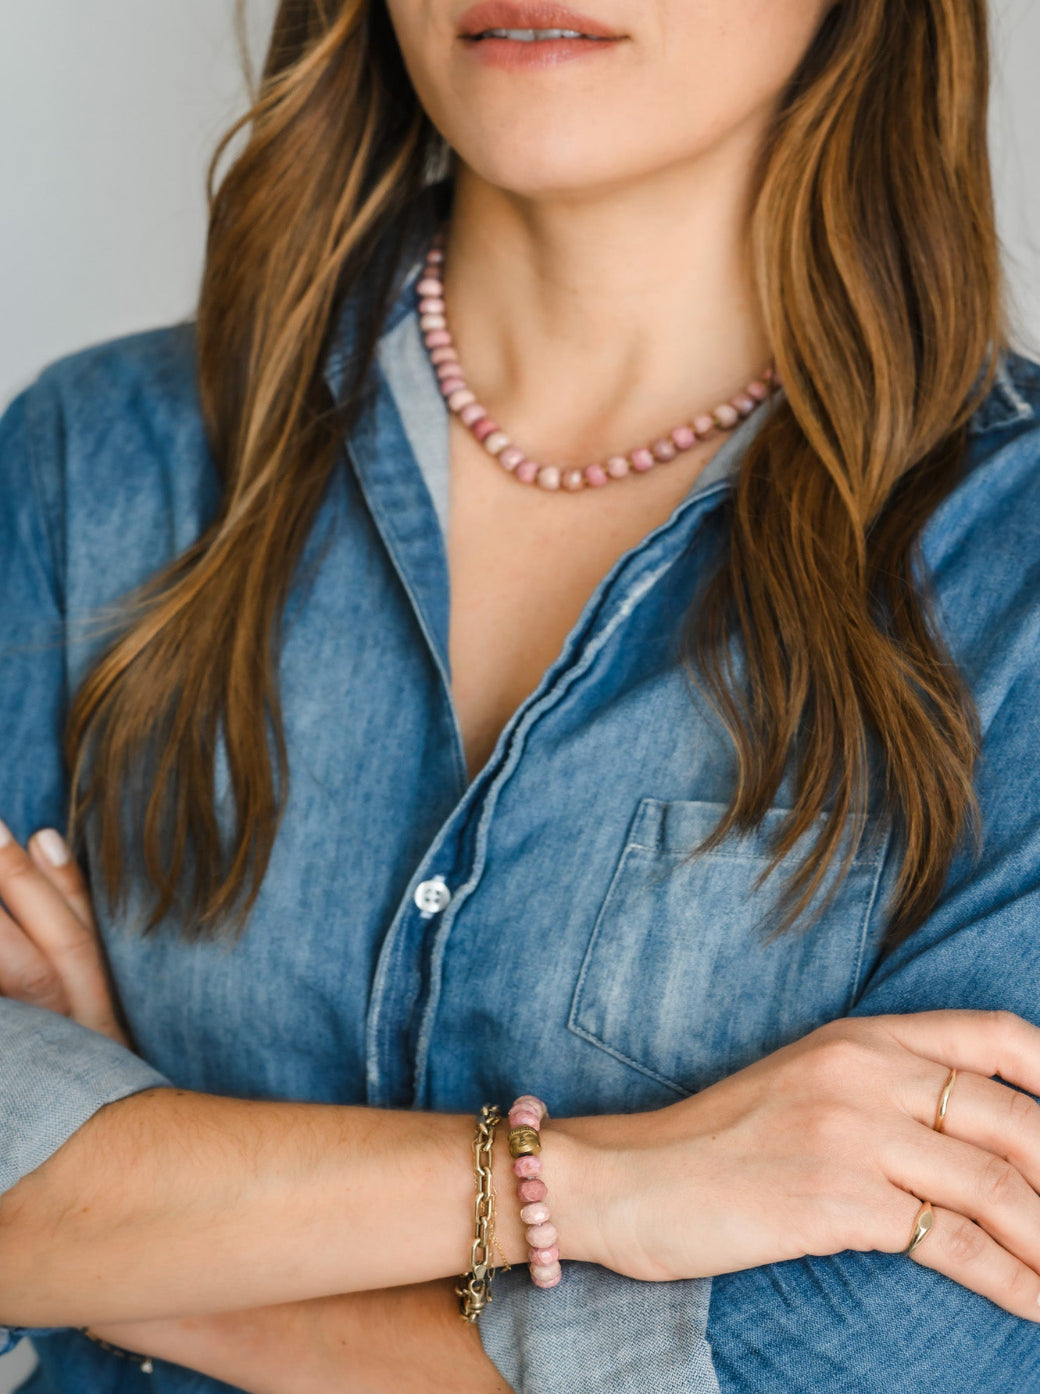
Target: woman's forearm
x=170, y=1203
x=405, y=1338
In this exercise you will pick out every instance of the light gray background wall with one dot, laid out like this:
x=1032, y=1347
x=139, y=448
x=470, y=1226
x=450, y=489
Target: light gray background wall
x=111, y=110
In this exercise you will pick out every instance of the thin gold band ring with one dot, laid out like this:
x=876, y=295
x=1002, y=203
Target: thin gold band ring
x=944, y=1099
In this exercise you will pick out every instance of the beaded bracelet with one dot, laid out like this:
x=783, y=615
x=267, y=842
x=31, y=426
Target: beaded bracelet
x=525, y=1147
x=145, y=1361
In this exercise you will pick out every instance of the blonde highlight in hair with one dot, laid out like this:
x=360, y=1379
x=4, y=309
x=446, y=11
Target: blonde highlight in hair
x=338, y=146
x=877, y=263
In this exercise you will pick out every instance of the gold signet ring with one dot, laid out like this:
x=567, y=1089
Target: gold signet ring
x=923, y=1221
x=944, y=1099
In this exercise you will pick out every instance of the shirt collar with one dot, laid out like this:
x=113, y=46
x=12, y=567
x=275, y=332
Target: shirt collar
x=430, y=208
x=1004, y=405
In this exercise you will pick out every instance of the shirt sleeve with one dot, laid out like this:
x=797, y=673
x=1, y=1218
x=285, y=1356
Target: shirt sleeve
x=870, y=1322
x=874, y=1321
x=56, y=1074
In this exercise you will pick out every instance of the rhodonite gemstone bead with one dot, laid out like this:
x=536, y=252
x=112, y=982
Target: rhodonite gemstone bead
x=544, y=1257
x=546, y=1277
x=541, y=1236
x=534, y=1214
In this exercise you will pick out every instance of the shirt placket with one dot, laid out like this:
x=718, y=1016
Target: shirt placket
x=404, y=992
x=405, y=986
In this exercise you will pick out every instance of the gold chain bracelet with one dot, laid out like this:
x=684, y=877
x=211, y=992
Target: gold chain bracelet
x=474, y=1288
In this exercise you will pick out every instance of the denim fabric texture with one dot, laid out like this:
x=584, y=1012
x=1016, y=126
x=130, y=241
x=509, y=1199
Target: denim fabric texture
x=576, y=957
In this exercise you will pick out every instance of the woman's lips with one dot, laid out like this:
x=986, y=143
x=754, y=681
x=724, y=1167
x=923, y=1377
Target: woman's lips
x=530, y=14
x=537, y=53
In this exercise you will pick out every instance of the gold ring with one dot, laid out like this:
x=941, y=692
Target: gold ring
x=923, y=1221
x=944, y=1099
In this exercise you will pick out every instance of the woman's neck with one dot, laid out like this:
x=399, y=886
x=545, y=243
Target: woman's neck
x=588, y=322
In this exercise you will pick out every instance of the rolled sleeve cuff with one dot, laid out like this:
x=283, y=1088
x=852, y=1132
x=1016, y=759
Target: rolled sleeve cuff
x=55, y=1075
x=599, y=1333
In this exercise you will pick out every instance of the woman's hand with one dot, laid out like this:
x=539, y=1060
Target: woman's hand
x=826, y=1145
x=50, y=950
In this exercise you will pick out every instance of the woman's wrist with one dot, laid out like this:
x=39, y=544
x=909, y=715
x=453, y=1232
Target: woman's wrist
x=582, y=1164
x=406, y=1338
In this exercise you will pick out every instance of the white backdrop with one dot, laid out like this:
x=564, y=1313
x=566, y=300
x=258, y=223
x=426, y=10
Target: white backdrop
x=111, y=111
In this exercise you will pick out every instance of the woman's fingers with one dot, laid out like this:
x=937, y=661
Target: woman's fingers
x=990, y=1115
x=50, y=852
x=26, y=974
x=987, y=1043
x=964, y=1252
x=976, y=1184
x=70, y=944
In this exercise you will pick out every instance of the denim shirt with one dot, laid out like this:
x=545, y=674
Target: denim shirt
x=423, y=940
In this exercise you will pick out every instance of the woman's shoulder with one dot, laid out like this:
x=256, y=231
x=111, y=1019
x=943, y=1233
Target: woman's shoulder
x=982, y=544
x=100, y=402
x=107, y=449
x=1001, y=471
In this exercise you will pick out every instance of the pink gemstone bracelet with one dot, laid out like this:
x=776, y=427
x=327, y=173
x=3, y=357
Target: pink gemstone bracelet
x=460, y=399
x=525, y=1146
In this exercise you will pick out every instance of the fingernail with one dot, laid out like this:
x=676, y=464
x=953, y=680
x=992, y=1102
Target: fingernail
x=54, y=848
x=5, y=834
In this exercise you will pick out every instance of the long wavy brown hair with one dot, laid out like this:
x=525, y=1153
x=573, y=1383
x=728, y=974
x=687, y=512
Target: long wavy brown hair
x=877, y=265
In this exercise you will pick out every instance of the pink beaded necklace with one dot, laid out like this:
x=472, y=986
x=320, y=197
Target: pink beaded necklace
x=463, y=402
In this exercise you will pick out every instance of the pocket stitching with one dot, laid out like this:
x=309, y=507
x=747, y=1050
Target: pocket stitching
x=867, y=861
x=879, y=862
x=572, y=1022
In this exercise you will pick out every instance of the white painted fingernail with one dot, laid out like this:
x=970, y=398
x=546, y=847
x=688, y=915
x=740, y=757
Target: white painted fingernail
x=5, y=834
x=54, y=848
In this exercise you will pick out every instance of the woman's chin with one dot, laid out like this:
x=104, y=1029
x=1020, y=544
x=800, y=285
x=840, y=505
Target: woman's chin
x=547, y=171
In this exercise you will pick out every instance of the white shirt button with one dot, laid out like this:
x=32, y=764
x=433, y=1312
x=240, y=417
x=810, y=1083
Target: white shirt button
x=432, y=896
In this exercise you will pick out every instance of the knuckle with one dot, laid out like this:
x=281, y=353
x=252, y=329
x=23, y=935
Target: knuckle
x=15, y=865
x=37, y=987
x=1007, y=1024
x=1023, y=1113
x=79, y=951
x=1019, y=1289
x=839, y=1058
x=998, y=1182
x=963, y=1240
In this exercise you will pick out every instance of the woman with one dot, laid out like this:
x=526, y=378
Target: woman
x=363, y=860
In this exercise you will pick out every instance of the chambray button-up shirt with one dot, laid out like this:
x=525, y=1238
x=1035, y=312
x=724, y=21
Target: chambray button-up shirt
x=423, y=940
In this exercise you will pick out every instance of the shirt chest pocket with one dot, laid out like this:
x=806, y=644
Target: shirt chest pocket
x=680, y=980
